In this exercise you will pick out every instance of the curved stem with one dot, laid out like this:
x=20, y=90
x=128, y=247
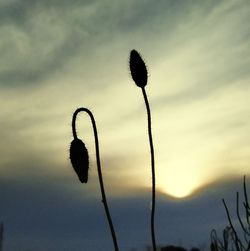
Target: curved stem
x=152, y=167
x=98, y=162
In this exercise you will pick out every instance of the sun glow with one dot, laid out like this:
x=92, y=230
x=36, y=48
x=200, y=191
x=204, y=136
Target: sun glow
x=177, y=187
x=182, y=177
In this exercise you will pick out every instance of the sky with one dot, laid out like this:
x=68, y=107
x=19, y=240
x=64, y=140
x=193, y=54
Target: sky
x=57, y=56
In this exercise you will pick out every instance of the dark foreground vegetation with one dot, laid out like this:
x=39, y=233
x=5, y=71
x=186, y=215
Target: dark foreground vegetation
x=236, y=235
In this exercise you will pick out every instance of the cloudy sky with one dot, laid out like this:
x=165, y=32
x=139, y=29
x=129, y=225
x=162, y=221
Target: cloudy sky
x=57, y=55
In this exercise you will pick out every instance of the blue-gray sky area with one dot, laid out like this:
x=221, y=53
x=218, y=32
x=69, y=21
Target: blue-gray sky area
x=57, y=55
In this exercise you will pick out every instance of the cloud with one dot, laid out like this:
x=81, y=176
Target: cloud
x=44, y=37
x=39, y=39
x=53, y=218
x=34, y=50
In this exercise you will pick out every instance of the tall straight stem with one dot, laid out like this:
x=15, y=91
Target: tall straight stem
x=98, y=162
x=152, y=167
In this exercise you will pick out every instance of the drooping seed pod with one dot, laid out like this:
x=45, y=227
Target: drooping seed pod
x=138, y=69
x=80, y=159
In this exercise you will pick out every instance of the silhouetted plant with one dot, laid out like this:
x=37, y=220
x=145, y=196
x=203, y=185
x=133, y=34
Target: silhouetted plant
x=1, y=236
x=195, y=249
x=80, y=162
x=173, y=248
x=177, y=248
x=140, y=76
x=234, y=239
x=79, y=159
x=221, y=245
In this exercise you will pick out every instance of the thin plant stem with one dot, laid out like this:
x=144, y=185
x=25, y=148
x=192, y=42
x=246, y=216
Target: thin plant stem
x=152, y=168
x=1, y=236
x=98, y=162
x=237, y=241
x=246, y=201
x=238, y=215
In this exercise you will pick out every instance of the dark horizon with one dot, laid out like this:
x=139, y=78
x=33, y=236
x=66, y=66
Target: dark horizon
x=69, y=223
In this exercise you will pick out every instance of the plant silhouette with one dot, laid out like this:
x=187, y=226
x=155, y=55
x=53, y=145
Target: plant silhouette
x=232, y=239
x=80, y=163
x=140, y=76
x=80, y=159
x=173, y=248
x=1, y=236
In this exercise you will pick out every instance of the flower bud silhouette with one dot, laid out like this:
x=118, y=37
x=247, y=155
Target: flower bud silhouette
x=138, y=69
x=80, y=162
x=79, y=159
x=140, y=76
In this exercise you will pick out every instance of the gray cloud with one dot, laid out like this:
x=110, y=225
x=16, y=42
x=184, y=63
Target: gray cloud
x=41, y=215
x=39, y=38
x=33, y=52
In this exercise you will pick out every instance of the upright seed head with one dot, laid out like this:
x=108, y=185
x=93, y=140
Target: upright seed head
x=138, y=69
x=80, y=159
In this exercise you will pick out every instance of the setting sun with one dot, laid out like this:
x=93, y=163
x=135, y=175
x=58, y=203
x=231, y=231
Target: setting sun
x=179, y=188
x=177, y=184
x=181, y=177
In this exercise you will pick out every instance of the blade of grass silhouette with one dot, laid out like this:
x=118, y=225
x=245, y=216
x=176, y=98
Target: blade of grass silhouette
x=140, y=76
x=98, y=163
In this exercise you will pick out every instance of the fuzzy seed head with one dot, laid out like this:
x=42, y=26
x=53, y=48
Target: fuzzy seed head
x=138, y=69
x=79, y=159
